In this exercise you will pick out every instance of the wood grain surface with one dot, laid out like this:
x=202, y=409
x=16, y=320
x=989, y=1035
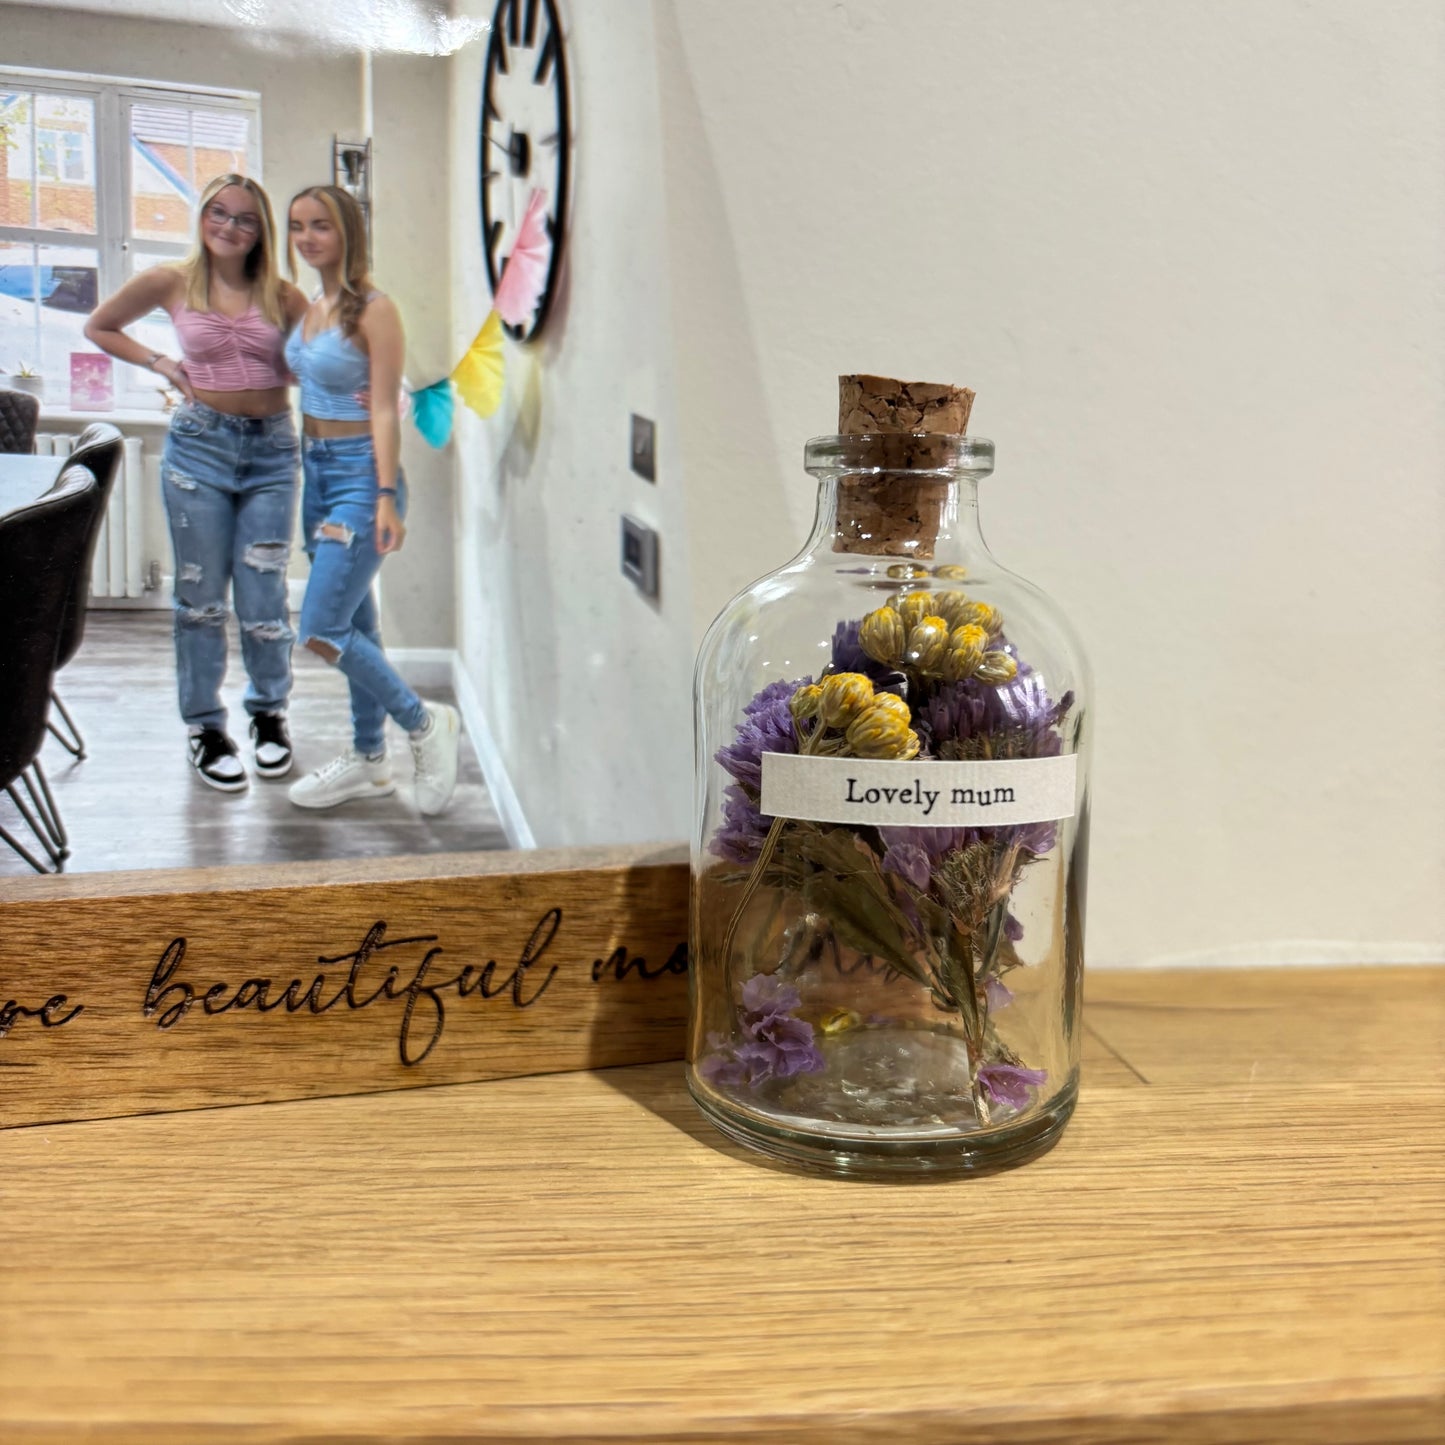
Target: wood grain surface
x=123, y=994
x=1240, y=1238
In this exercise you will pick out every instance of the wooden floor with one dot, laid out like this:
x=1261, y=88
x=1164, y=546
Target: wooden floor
x=134, y=802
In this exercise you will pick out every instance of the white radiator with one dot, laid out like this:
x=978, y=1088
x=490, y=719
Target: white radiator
x=119, y=567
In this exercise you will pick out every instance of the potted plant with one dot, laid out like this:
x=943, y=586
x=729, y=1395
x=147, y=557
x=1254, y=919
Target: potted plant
x=26, y=378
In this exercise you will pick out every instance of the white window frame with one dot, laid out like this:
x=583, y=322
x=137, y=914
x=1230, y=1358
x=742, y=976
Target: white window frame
x=114, y=98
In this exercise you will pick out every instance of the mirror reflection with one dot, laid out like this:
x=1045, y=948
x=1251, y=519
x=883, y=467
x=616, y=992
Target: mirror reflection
x=222, y=240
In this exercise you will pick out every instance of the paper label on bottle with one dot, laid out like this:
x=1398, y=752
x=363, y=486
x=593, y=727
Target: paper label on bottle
x=919, y=794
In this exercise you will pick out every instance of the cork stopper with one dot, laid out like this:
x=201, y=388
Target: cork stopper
x=895, y=516
x=872, y=404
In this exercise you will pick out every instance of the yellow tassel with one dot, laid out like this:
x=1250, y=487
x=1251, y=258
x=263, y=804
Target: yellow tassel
x=478, y=375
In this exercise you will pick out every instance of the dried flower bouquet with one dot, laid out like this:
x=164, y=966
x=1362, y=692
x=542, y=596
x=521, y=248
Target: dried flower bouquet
x=929, y=675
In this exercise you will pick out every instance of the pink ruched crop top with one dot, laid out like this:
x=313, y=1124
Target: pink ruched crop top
x=224, y=353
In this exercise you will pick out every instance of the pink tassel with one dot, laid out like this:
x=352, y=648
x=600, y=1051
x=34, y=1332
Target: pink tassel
x=525, y=273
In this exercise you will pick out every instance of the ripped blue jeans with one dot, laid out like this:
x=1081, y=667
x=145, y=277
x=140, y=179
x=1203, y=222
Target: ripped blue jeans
x=229, y=484
x=339, y=611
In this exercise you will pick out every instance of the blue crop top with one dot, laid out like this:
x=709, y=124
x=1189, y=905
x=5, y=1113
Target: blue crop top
x=331, y=371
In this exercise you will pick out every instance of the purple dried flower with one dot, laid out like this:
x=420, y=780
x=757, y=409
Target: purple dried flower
x=909, y=861
x=721, y=1066
x=1021, y=709
x=1037, y=838
x=774, y=1044
x=1013, y=930
x=935, y=843
x=997, y=993
x=767, y=727
x=958, y=711
x=740, y=839
x=1021, y=720
x=767, y=996
x=1010, y=1083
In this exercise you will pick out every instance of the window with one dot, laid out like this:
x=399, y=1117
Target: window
x=65, y=158
x=99, y=179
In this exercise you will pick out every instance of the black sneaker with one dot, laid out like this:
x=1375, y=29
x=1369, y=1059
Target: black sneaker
x=272, y=744
x=217, y=759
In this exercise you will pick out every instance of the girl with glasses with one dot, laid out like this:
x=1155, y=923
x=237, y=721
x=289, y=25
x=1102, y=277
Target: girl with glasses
x=229, y=469
x=346, y=352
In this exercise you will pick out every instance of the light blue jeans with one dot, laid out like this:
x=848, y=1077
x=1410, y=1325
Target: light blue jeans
x=229, y=484
x=339, y=609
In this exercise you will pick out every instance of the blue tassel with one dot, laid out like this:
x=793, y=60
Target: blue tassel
x=431, y=410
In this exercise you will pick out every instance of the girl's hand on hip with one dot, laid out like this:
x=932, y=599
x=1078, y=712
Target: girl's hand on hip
x=390, y=530
x=175, y=373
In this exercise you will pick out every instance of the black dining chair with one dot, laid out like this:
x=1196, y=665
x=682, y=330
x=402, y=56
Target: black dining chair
x=19, y=419
x=98, y=448
x=41, y=546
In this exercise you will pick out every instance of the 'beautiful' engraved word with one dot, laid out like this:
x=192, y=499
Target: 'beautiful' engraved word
x=168, y=1000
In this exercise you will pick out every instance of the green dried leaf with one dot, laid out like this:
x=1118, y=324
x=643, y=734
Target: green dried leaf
x=863, y=923
x=839, y=850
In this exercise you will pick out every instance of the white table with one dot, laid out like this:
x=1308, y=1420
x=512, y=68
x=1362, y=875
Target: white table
x=23, y=478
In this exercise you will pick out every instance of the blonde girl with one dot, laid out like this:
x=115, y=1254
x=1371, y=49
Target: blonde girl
x=229, y=469
x=346, y=353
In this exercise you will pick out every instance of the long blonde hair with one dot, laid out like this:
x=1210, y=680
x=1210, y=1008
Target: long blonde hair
x=260, y=264
x=350, y=223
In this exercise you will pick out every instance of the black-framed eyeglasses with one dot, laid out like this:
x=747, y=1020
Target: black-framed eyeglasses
x=247, y=223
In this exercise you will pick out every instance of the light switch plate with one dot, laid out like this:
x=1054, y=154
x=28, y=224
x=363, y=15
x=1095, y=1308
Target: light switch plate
x=644, y=447
x=639, y=555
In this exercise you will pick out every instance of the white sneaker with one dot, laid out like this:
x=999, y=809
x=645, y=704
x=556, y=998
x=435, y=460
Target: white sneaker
x=435, y=752
x=349, y=776
x=272, y=744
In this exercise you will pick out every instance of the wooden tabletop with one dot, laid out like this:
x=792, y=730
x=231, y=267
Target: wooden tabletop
x=1240, y=1238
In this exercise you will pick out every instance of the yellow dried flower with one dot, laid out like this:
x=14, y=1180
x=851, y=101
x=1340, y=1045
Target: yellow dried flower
x=951, y=572
x=880, y=732
x=844, y=696
x=984, y=616
x=950, y=606
x=892, y=705
x=886, y=744
x=839, y=1021
x=906, y=571
x=881, y=635
x=997, y=668
x=928, y=645
x=806, y=701
x=913, y=607
x=965, y=652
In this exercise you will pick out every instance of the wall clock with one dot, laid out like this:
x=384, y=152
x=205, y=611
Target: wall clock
x=525, y=137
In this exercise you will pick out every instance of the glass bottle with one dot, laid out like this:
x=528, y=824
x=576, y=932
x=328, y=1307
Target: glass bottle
x=891, y=835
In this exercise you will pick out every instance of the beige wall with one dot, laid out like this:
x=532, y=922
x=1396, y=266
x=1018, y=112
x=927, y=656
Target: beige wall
x=413, y=258
x=1190, y=257
x=306, y=96
x=584, y=682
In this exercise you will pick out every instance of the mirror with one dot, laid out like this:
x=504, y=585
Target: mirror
x=113, y=116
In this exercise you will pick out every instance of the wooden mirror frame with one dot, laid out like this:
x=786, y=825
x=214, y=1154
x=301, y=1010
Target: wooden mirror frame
x=124, y=993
